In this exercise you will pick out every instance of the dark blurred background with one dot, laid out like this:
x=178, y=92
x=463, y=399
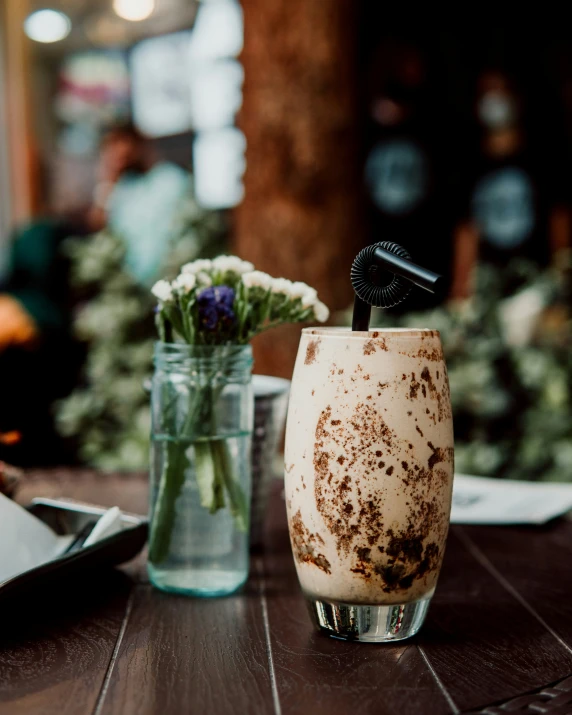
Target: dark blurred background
x=137, y=134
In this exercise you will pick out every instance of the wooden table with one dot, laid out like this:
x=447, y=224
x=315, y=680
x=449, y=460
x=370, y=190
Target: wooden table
x=500, y=626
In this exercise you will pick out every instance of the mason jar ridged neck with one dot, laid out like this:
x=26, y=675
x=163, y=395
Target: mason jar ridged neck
x=234, y=361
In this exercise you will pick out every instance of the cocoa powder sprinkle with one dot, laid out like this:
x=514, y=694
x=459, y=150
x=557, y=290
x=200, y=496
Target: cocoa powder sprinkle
x=311, y=352
x=303, y=544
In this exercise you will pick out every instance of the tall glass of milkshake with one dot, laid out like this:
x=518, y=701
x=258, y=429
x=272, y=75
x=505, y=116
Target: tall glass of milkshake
x=369, y=476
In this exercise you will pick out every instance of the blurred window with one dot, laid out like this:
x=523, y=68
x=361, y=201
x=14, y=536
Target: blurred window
x=218, y=159
x=160, y=85
x=216, y=96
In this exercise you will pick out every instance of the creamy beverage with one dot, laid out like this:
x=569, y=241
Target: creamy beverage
x=369, y=474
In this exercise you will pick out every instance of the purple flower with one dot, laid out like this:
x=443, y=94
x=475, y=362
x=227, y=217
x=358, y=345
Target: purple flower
x=215, y=308
x=209, y=317
x=225, y=295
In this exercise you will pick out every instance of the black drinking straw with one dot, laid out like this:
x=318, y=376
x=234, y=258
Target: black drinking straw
x=386, y=257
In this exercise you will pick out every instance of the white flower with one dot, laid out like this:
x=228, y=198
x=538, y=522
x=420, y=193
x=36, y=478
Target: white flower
x=519, y=316
x=302, y=290
x=232, y=264
x=257, y=279
x=321, y=312
x=204, y=280
x=184, y=283
x=163, y=291
x=309, y=300
x=281, y=286
x=245, y=267
x=202, y=264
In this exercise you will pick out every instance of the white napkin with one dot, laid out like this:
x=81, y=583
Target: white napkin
x=479, y=500
x=26, y=542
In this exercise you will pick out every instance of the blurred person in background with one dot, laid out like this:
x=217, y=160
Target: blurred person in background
x=136, y=198
x=514, y=204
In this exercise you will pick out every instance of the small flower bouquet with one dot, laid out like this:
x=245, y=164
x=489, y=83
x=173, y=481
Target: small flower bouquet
x=226, y=302
x=211, y=312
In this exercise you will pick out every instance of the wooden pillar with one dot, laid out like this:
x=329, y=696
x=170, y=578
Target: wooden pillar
x=5, y=194
x=300, y=217
x=16, y=96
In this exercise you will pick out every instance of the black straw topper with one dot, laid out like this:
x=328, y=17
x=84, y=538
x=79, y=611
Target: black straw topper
x=371, y=287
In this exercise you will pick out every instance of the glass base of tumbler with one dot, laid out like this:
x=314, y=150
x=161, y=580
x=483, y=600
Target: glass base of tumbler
x=368, y=624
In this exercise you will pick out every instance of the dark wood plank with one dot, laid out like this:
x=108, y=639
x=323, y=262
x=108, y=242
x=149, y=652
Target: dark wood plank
x=182, y=655
x=556, y=699
x=483, y=644
x=316, y=674
x=128, y=491
x=499, y=626
x=54, y=655
x=535, y=562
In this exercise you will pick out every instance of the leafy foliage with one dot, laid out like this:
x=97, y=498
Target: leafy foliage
x=108, y=415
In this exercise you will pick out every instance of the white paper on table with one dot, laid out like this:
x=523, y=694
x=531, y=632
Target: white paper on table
x=25, y=541
x=480, y=500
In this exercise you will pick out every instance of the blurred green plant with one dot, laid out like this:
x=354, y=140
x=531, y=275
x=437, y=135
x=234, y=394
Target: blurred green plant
x=107, y=415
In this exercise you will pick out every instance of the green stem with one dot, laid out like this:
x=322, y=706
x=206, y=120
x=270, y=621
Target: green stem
x=210, y=488
x=170, y=487
x=172, y=481
x=237, y=499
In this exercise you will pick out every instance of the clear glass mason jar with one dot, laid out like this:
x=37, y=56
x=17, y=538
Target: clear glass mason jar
x=202, y=419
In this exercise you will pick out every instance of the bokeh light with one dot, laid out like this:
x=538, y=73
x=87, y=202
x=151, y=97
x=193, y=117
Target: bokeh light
x=47, y=26
x=134, y=10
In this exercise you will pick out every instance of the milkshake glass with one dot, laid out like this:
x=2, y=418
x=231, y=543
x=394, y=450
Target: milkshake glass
x=369, y=476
